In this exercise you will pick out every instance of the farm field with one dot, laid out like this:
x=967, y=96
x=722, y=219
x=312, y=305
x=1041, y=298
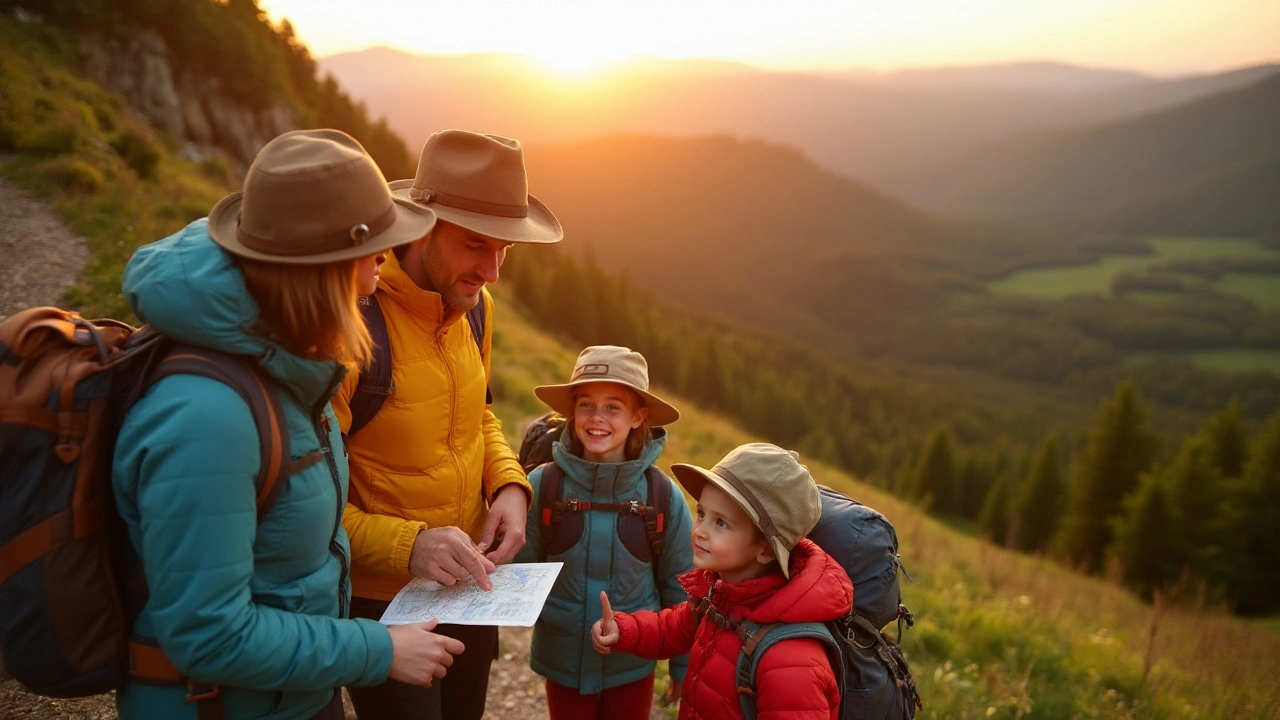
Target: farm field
x=1226, y=360
x=1053, y=283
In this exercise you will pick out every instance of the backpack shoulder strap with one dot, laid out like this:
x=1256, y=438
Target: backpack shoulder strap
x=374, y=384
x=655, y=522
x=757, y=639
x=477, y=319
x=549, y=516
x=260, y=394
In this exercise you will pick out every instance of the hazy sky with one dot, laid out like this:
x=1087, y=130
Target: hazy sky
x=1157, y=36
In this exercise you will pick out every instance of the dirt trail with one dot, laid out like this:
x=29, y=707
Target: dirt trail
x=40, y=257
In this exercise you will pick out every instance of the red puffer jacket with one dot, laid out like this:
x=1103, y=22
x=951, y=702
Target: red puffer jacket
x=794, y=679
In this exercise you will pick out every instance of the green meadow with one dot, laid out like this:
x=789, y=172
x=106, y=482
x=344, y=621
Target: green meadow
x=1224, y=360
x=998, y=634
x=1095, y=278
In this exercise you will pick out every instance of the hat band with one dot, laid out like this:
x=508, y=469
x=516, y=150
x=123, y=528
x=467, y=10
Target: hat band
x=766, y=522
x=427, y=196
x=357, y=234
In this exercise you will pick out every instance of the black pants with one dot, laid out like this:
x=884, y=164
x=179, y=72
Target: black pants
x=334, y=710
x=459, y=695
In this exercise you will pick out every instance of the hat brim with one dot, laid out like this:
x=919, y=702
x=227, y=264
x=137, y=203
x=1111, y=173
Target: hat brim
x=695, y=479
x=411, y=223
x=540, y=226
x=560, y=399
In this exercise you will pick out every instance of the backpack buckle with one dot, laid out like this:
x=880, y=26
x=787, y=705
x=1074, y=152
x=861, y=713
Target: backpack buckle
x=572, y=505
x=633, y=507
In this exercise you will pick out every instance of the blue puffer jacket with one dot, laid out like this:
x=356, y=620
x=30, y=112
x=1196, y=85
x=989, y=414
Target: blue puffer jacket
x=252, y=608
x=561, y=650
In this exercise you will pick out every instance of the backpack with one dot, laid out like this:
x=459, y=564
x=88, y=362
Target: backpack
x=70, y=582
x=375, y=384
x=641, y=528
x=871, y=671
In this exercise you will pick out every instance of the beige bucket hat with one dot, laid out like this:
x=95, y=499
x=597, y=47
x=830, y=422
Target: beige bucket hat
x=311, y=197
x=478, y=182
x=771, y=485
x=609, y=363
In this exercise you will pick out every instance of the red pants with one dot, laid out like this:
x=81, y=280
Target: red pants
x=625, y=702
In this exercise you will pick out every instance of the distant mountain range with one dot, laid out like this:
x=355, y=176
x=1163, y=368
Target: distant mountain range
x=1208, y=167
x=894, y=131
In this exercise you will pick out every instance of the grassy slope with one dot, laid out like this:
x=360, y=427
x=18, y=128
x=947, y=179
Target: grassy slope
x=998, y=634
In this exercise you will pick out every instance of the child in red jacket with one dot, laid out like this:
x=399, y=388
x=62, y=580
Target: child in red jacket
x=754, y=563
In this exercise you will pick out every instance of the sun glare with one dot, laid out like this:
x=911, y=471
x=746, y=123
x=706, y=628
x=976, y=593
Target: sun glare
x=572, y=62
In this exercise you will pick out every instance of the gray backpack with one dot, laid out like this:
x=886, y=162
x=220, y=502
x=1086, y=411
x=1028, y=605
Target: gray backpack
x=875, y=681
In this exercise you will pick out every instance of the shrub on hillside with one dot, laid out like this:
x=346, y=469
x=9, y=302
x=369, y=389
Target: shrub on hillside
x=74, y=175
x=137, y=147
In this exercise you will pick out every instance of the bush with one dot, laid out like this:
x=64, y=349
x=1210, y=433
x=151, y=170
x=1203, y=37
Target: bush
x=67, y=128
x=75, y=175
x=138, y=149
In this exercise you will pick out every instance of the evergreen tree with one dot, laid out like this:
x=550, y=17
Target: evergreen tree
x=993, y=521
x=972, y=484
x=1120, y=448
x=936, y=475
x=1194, y=487
x=1254, y=584
x=1146, y=537
x=1228, y=443
x=1038, y=505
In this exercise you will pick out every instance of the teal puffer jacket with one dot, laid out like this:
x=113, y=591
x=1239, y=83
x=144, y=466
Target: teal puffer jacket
x=255, y=609
x=561, y=650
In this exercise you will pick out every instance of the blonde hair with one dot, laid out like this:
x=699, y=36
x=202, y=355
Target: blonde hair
x=310, y=309
x=635, y=439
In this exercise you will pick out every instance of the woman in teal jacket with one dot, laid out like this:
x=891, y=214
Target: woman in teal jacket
x=258, y=608
x=603, y=452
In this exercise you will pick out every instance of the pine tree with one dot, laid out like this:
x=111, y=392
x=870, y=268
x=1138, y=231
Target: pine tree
x=1194, y=487
x=972, y=483
x=1120, y=448
x=1228, y=441
x=1254, y=586
x=993, y=521
x=1146, y=541
x=1038, y=505
x=936, y=475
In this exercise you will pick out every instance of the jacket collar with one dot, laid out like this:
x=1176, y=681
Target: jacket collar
x=627, y=474
x=428, y=306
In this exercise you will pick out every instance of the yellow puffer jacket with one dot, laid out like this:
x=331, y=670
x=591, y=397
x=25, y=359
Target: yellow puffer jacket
x=434, y=455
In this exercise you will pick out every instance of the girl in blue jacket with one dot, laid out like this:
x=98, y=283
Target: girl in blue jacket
x=613, y=434
x=250, y=614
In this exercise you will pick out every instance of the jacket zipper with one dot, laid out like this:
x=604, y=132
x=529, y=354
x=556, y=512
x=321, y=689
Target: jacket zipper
x=322, y=425
x=446, y=360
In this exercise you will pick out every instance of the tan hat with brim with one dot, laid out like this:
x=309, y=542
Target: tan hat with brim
x=609, y=363
x=771, y=485
x=478, y=182
x=311, y=197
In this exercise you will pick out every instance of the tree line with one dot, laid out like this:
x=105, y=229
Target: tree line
x=1210, y=513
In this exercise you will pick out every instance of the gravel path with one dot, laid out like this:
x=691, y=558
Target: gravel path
x=41, y=256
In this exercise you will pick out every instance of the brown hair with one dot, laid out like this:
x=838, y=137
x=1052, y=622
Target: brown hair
x=310, y=309
x=635, y=439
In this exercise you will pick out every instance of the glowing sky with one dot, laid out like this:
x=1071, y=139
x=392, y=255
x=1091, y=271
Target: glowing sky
x=1161, y=37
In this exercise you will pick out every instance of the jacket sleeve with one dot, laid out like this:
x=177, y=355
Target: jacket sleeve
x=185, y=468
x=794, y=681
x=676, y=560
x=657, y=635
x=501, y=465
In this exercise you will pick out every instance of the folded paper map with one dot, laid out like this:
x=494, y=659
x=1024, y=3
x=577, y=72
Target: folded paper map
x=517, y=596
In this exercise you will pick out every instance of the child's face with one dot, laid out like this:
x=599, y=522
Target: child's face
x=604, y=414
x=726, y=541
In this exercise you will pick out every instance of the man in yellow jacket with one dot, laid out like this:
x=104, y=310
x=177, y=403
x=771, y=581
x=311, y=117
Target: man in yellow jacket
x=433, y=481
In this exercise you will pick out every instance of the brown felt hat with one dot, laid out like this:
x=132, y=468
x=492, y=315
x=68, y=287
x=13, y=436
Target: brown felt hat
x=609, y=363
x=771, y=485
x=478, y=182
x=311, y=197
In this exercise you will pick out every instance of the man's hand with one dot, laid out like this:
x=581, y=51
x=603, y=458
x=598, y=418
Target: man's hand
x=604, y=633
x=419, y=656
x=507, y=515
x=446, y=555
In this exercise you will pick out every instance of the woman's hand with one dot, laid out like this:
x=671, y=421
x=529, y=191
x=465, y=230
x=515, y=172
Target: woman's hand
x=419, y=656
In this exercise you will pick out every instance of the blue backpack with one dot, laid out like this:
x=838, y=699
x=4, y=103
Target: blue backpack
x=875, y=681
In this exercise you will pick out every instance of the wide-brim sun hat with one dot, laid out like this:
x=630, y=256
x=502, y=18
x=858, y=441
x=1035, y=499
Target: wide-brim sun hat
x=771, y=485
x=478, y=182
x=312, y=197
x=609, y=363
